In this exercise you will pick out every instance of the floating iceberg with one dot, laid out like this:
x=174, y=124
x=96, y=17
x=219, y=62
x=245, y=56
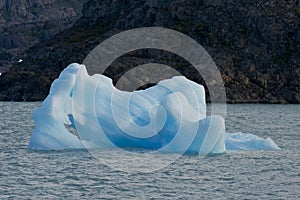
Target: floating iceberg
x=169, y=117
x=248, y=142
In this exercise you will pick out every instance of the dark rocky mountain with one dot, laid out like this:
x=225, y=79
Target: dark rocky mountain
x=23, y=23
x=255, y=44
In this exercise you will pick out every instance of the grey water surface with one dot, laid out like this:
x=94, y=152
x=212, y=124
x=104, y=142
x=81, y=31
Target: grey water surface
x=75, y=174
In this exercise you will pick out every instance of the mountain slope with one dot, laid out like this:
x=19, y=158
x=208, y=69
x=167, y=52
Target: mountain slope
x=255, y=44
x=24, y=23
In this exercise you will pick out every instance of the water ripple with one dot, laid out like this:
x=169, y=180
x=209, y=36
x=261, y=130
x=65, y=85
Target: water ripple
x=27, y=174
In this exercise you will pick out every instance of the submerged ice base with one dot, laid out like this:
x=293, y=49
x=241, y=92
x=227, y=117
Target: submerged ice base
x=167, y=118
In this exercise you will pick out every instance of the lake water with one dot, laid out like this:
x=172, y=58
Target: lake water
x=27, y=174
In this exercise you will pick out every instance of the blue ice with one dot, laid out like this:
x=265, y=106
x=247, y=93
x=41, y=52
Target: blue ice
x=169, y=117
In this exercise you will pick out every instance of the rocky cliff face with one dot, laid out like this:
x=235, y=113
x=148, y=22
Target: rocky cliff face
x=26, y=22
x=31, y=11
x=255, y=44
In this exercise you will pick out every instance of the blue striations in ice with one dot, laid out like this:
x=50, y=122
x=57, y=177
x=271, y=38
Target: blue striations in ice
x=169, y=117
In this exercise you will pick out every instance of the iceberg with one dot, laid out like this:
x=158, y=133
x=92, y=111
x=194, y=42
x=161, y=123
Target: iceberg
x=169, y=117
x=248, y=142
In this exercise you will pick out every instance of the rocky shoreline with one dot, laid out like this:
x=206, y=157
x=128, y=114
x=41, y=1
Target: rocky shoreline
x=255, y=44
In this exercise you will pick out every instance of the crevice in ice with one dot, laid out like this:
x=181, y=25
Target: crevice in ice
x=72, y=130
